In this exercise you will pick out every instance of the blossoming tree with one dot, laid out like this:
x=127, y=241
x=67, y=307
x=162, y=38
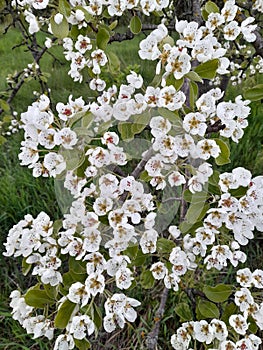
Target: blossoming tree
x=149, y=208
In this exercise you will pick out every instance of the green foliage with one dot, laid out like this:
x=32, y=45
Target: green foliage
x=219, y=293
x=224, y=156
x=207, y=70
x=64, y=313
x=206, y=310
x=135, y=25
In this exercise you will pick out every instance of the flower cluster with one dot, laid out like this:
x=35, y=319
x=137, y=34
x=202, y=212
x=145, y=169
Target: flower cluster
x=217, y=331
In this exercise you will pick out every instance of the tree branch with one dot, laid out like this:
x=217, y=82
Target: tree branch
x=152, y=337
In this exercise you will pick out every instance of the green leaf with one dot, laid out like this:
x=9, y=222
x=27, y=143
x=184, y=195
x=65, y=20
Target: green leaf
x=177, y=83
x=82, y=344
x=224, y=155
x=51, y=291
x=114, y=62
x=186, y=227
x=103, y=37
x=219, y=293
x=25, y=267
x=64, y=313
x=196, y=212
x=131, y=251
x=97, y=316
x=87, y=119
x=204, y=14
x=144, y=176
x=37, y=297
x=194, y=76
x=135, y=25
x=140, y=258
x=4, y=105
x=193, y=90
x=2, y=140
x=211, y=7
x=140, y=122
x=197, y=197
x=255, y=93
x=229, y=309
x=125, y=129
x=147, y=279
x=184, y=312
x=207, y=70
x=164, y=245
x=113, y=24
x=77, y=266
x=173, y=117
x=207, y=309
x=64, y=8
x=60, y=30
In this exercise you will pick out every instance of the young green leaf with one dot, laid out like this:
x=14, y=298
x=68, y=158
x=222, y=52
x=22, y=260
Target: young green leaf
x=208, y=69
x=224, y=155
x=255, y=93
x=211, y=7
x=64, y=313
x=207, y=309
x=59, y=30
x=135, y=25
x=219, y=293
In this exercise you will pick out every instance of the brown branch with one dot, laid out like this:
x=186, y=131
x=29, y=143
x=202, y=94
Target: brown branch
x=217, y=126
x=152, y=338
x=197, y=16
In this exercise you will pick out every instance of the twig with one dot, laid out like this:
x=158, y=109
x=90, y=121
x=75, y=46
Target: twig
x=152, y=337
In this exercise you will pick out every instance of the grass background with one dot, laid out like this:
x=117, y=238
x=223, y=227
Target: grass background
x=20, y=193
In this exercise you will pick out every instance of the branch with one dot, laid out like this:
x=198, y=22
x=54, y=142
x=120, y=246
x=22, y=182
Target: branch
x=197, y=16
x=217, y=126
x=152, y=338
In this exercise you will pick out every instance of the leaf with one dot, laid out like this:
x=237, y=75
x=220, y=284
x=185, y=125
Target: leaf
x=25, y=267
x=147, y=279
x=219, y=293
x=224, y=155
x=51, y=291
x=102, y=39
x=77, y=266
x=73, y=157
x=230, y=309
x=197, y=197
x=87, y=119
x=4, y=105
x=193, y=90
x=37, y=297
x=64, y=8
x=144, y=176
x=131, y=251
x=184, y=312
x=204, y=14
x=207, y=309
x=135, y=25
x=125, y=129
x=113, y=24
x=2, y=140
x=114, y=62
x=255, y=93
x=82, y=344
x=207, y=70
x=97, y=316
x=211, y=7
x=194, y=77
x=171, y=116
x=177, y=83
x=64, y=313
x=164, y=245
x=186, y=227
x=140, y=122
x=59, y=30
x=140, y=258
x=196, y=212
